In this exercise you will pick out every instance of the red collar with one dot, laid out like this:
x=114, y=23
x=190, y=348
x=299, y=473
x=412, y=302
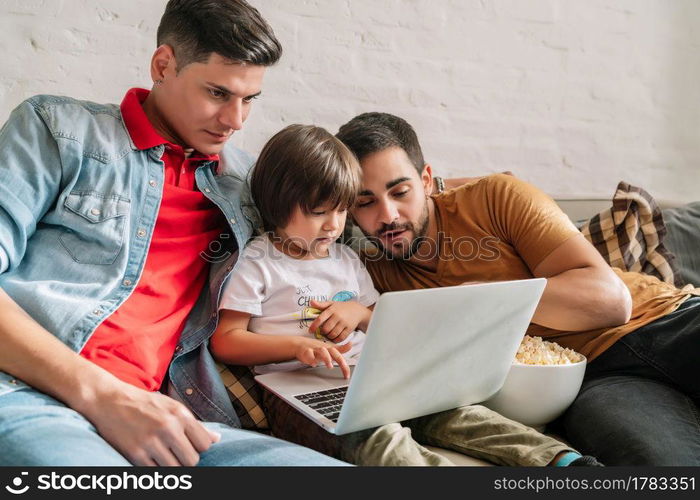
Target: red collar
x=140, y=129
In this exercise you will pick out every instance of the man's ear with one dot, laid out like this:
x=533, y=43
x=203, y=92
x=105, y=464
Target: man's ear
x=426, y=177
x=162, y=63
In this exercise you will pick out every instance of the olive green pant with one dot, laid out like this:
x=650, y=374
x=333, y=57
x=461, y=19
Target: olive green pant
x=474, y=430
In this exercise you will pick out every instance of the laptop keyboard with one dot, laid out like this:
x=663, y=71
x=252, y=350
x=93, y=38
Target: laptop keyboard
x=327, y=403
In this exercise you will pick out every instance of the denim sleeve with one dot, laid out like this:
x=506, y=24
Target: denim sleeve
x=30, y=176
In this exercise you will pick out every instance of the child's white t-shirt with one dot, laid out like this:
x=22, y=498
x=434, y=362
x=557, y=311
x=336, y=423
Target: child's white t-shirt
x=276, y=289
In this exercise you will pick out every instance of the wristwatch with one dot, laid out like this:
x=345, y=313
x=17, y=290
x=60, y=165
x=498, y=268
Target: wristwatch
x=439, y=184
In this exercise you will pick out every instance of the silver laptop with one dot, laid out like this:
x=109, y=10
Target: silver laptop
x=426, y=351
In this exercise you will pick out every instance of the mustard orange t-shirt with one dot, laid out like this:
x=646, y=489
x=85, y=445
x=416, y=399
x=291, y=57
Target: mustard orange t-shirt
x=499, y=228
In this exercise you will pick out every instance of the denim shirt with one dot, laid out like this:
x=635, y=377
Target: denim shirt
x=78, y=205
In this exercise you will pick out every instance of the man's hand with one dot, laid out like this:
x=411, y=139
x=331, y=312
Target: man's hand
x=337, y=320
x=312, y=351
x=149, y=428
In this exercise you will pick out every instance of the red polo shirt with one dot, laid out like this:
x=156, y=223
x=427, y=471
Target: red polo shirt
x=136, y=343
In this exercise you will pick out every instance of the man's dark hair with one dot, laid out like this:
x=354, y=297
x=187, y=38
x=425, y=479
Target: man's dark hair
x=231, y=28
x=305, y=166
x=373, y=132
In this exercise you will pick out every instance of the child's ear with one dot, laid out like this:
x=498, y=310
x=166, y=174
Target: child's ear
x=426, y=177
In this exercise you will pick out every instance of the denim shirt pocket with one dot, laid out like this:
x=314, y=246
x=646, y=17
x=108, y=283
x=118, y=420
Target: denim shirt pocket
x=94, y=226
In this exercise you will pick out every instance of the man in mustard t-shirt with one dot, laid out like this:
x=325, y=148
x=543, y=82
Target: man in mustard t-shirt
x=639, y=401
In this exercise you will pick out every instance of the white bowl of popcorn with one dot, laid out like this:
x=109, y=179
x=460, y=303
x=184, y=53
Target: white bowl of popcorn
x=542, y=383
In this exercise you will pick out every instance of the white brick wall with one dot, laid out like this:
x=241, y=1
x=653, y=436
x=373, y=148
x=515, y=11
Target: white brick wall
x=572, y=95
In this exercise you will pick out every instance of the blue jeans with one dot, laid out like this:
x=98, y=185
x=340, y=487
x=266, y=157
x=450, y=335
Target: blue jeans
x=36, y=429
x=639, y=401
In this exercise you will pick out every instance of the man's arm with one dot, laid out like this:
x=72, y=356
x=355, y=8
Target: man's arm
x=147, y=428
x=143, y=426
x=582, y=293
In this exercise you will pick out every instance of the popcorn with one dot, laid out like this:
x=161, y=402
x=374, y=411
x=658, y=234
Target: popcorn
x=535, y=351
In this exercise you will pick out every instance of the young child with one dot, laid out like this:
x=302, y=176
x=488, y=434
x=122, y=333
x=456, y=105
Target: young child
x=298, y=298
x=303, y=184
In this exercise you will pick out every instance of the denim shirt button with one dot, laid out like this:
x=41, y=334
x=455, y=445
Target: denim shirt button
x=95, y=211
x=97, y=312
x=178, y=348
x=126, y=282
x=189, y=391
x=233, y=221
x=141, y=233
x=207, y=190
x=152, y=183
x=13, y=381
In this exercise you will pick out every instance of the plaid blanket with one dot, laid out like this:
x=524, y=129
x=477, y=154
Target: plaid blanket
x=630, y=235
x=245, y=395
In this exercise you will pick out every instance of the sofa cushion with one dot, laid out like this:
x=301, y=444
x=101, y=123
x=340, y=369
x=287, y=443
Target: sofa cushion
x=683, y=239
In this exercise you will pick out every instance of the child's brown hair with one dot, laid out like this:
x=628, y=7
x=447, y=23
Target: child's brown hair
x=303, y=165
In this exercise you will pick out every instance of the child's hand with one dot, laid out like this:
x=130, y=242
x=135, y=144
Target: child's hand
x=339, y=319
x=312, y=351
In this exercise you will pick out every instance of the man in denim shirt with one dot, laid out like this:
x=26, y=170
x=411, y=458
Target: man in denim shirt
x=118, y=226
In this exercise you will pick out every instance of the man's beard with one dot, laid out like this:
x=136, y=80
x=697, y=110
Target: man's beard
x=419, y=230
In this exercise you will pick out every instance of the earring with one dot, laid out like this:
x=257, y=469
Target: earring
x=157, y=82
